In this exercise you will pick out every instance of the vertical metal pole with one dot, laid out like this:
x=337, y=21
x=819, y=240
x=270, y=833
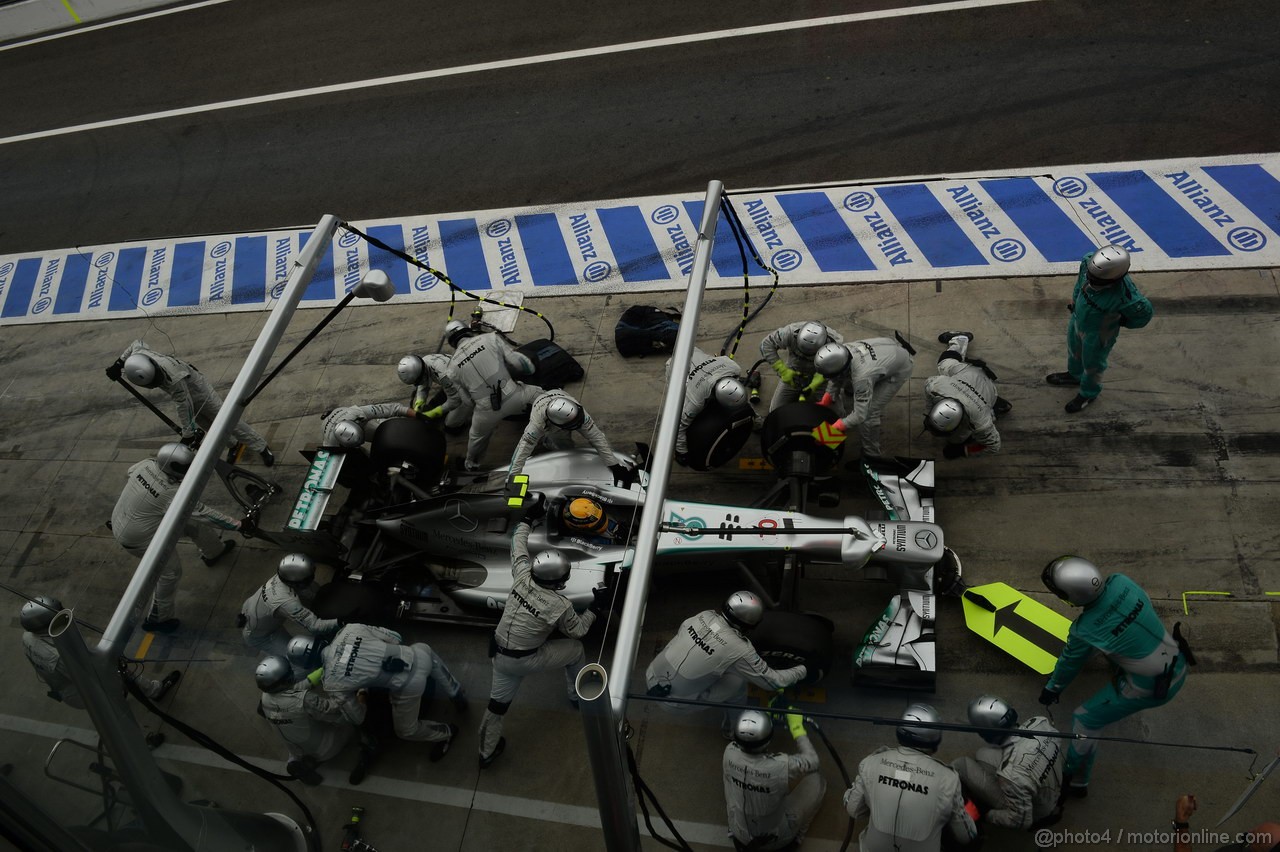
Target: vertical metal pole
x=122, y=621
x=617, y=804
x=606, y=753
x=170, y=822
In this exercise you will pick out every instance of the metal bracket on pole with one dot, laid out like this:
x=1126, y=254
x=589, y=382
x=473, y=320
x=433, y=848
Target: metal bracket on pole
x=603, y=719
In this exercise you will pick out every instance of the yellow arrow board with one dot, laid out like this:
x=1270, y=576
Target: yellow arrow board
x=1018, y=625
x=825, y=433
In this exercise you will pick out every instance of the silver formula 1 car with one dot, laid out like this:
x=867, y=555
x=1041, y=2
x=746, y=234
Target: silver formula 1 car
x=412, y=543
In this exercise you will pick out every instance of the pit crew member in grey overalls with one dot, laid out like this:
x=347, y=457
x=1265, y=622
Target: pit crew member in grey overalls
x=147, y=493
x=796, y=373
x=348, y=425
x=553, y=420
x=765, y=810
x=1014, y=780
x=864, y=376
x=521, y=645
x=196, y=400
x=711, y=659
x=283, y=597
x=424, y=371
x=963, y=401
x=909, y=795
x=366, y=657
x=710, y=377
x=484, y=365
x=312, y=724
x=36, y=616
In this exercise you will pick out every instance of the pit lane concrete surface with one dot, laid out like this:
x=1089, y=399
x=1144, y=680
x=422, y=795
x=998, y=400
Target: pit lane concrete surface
x=1169, y=478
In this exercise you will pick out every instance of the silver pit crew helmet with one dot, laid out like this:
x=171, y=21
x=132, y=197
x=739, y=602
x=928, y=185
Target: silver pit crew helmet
x=811, y=337
x=174, y=460
x=348, y=433
x=753, y=730
x=273, y=673
x=730, y=393
x=944, y=417
x=565, y=413
x=989, y=711
x=832, y=359
x=1108, y=264
x=412, y=370
x=454, y=331
x=744, y=610
x=37, y=613
x=304, y=651
x=1076, y=581
x=550, y=569
x=296, y=570
x=914, y=736
x=141, y=370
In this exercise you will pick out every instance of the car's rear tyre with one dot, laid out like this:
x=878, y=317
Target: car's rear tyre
x=362, y=603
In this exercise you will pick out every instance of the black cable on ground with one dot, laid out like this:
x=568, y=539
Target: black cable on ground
x=454, y=289
x=741, y=238
x=643, y=790
x=203, y=739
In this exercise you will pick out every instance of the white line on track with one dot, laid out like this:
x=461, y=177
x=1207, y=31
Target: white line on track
x=79, y=30
x=562, y=56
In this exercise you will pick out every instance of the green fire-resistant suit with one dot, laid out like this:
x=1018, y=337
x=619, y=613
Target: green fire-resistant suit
x=1097, y=315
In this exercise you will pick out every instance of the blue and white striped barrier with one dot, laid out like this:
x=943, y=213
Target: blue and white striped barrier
x=1171, y=214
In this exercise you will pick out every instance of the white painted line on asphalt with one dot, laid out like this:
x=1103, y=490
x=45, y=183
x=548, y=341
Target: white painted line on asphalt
x=416, y=791
x=561, y=56
x=79, y=30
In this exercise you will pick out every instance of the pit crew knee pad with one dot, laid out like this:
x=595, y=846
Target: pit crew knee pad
x=499, y=708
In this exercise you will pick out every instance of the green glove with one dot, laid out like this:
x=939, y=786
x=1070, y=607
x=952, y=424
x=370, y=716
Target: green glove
x=419, y=405
x=438, y=411
x=796, y=723
x=316, y=676
x=784, y=372
x=816, y=382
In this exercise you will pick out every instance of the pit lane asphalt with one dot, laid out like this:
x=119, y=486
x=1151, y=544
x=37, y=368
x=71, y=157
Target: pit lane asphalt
x=1170, y=477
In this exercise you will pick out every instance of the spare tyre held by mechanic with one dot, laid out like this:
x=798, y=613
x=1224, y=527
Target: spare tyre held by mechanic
x=963, y=401
x=713, y=381
x=771, y=797
x=553, y=420
x=521, y=644
x=711, y=659
x=485, y=366
x=366, y=657
x=796, y=373
x=864, y=376
x=908, y=795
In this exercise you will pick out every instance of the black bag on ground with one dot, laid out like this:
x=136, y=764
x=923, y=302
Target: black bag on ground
x=645, y=330
x=552, y=366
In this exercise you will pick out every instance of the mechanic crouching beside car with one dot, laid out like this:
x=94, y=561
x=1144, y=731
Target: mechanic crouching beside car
x=711, y=659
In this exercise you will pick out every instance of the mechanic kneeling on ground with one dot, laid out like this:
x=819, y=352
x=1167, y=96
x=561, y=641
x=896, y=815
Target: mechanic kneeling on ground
x=765, y=810
x=366, y=657
x=424, y=371
x=348, y=425
x=520, y=645
x=1015, y=781
x=797, y=375
x=715, y=381
x=314, y=726
x=284, y=596
x=711, y=659
x=909, y=795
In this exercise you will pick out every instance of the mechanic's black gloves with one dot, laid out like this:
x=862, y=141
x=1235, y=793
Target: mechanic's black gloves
x=1071, y=307
x=248, y=526
x=620, y=473
x=601, y=599
x=394, y=665
x=1049, y=697
x=536, y=508
x=953, y=451
x=115, y=371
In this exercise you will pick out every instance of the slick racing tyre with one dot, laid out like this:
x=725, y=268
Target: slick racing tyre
x=786, y=440
x=715, y=436
x=402, y=440
x=361, y=603
x=787, y=639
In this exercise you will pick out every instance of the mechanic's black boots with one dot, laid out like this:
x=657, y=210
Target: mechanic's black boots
x=227, y=547
x=946, y=336
x=155, y=625
x=268, y=457
x=1080, y=403
x=1061, y=379
x=305, y=772
x=1002, y=406
x=368, y=751
x=440, y=749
